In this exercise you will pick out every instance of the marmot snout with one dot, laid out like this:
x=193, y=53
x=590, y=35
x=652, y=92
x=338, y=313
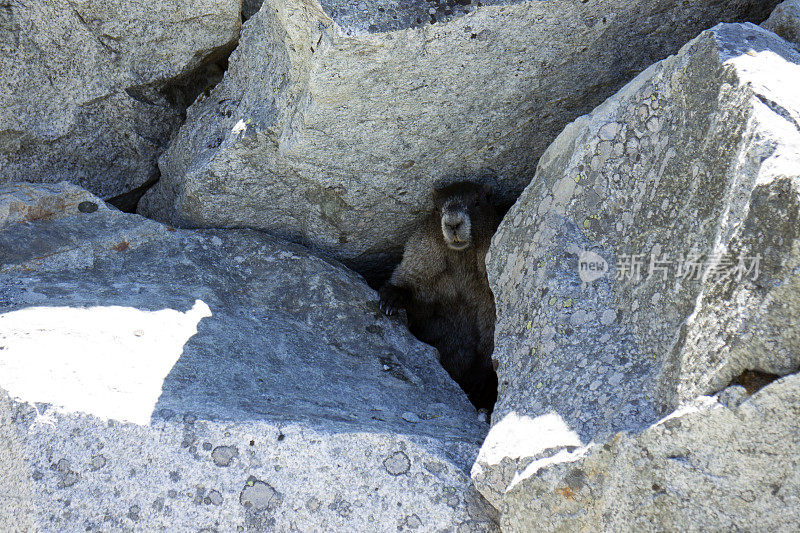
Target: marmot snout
x=456, y=226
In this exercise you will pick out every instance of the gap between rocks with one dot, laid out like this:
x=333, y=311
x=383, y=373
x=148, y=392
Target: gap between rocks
x=755, y=380
x=180, y=92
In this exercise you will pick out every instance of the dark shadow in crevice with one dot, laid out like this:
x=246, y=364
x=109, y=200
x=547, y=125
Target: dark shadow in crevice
x=758, y=12
x=183, y=91
x=129, y=201
x=754, y=380
x=177, y=94
x=250, y=8
x=180, y=92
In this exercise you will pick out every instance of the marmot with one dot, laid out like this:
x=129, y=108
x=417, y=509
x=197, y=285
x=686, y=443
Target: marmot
x=442, y=284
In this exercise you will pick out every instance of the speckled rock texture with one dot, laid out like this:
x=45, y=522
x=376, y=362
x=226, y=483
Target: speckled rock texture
x=707, y=467
x=785, y=21
x=654, y=257
x=155, y=379
x=91, y=92
x=336, y=117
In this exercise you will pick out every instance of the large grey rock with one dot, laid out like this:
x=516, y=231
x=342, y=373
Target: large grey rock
x=695, y=162
x=92, y=91
x=707, y=467
x=212, y=380
x=785, y=21
x=336, y=118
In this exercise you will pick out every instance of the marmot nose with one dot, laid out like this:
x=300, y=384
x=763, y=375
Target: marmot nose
x=454, y=226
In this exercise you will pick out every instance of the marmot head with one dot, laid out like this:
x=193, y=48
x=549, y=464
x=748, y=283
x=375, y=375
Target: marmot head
x=463, y=208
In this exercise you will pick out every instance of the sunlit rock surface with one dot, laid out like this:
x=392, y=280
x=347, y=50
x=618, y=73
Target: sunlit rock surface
x=90, y=92
x=654, y=258
x=707, y=467
x=336, y=117
x=189, y=380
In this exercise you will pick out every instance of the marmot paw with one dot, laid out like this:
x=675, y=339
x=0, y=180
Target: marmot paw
x=392, y=299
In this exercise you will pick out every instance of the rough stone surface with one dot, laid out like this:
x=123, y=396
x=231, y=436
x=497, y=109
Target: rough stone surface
x=92, y=91
x=16, y=503
x=785, y=21
x=336, y=118
x=692, y=171
x=211, y=380
x=705, y=468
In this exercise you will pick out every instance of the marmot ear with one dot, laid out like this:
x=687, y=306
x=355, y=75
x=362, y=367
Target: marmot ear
x=437, y=194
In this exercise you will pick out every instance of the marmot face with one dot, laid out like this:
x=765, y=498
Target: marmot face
x=458, y=205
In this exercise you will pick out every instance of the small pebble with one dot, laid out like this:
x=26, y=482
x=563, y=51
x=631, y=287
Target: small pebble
x=87, y=207
x=410, y=417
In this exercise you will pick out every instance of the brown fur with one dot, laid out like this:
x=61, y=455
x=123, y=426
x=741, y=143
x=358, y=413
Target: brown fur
x=446, y=292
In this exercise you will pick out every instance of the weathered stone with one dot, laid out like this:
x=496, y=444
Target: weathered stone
x=704, y=468
x=163, y=379
x=92, y=91
x=16, y=500
x=336, y=118
x=785, y=21
x=695, y=163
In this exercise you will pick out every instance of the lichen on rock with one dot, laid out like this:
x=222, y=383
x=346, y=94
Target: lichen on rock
x=193, y=375
x=682, y=193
